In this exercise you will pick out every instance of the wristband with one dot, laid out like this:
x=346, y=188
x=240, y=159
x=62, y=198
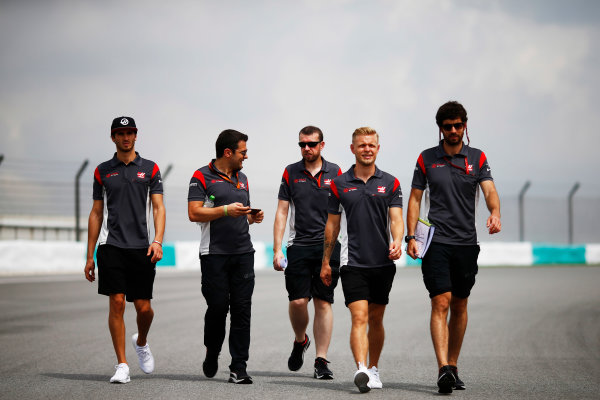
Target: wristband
x=225, y=209
x=156, y=241
x=409, y=238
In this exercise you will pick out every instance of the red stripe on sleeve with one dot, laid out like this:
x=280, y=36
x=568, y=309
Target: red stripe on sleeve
x=482, y=159
x=155, y=170
x=339, y=171
x=198, y=175
x=286, y=176
x=97, y=176
x=396, y=184
x=421, y=163
x=334, y=189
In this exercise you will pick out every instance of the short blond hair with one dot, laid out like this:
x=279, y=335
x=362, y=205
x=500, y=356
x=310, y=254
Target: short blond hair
x=365, y=131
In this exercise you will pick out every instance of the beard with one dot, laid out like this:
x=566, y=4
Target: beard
x=453, y=139
x=310, y=157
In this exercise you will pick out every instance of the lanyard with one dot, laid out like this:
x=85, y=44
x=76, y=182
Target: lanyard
x=225, y=177
x=465, y=169
x=318, y=178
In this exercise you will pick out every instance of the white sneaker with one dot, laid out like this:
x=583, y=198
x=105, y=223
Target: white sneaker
x=374, y=381
x=144, y=355
x=361, y=378
x=121, y=375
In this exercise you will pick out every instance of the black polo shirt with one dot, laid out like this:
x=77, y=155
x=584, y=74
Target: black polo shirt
x=453, y=183
x=126, y=191
x=366, y=206
x=307, y=195
x=225, y=235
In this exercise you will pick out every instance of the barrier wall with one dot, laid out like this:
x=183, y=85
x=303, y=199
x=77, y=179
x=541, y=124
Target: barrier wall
x=26, y=257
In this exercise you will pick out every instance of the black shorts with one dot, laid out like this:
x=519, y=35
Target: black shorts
x=371, y=284
x=302, y=275
x=450, y=268
x=127, y=271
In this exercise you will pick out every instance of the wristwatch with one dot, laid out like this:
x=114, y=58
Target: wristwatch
x=409, y=238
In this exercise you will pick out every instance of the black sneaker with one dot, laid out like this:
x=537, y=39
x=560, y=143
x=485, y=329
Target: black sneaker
x=240, y=377
x=210, y=365
x=321, y=369
x=458, y=385
x=297, y=357
x=446, y=380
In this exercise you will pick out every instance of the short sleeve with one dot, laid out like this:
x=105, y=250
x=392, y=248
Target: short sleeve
x=420, y=175
x=284, y=187
x=197, y=189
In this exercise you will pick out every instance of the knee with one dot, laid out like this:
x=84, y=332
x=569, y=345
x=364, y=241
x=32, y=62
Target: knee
x=458, y=306
x=299, y=304
x=440, y=304
x=360, y=318
x=322, y=305
x=144, y=310
x=117, y=304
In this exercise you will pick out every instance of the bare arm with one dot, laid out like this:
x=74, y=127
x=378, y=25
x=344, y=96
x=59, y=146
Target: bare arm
x=412, y=216
x=493, y=204
x=397, y=230
x=159, y=215
x=332, y=230
x=197, y=213
x=278, y=230
x=94, y=225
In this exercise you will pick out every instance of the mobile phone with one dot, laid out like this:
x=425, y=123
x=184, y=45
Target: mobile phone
x=254, y=211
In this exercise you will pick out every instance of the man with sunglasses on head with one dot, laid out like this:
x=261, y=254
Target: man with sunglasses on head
x=303, y=195
x=218, y=198
x=452, y=172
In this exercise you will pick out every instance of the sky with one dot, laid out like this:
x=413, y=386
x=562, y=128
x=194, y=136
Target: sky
x=526, y=71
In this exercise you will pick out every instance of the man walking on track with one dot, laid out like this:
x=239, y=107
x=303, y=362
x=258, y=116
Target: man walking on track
x=219, y=199
x=125, y=188
x=303, y=194
x=372, y=202
x=452, y=172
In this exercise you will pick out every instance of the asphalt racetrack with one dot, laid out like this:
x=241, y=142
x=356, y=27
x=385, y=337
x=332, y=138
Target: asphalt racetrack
x=534, y=333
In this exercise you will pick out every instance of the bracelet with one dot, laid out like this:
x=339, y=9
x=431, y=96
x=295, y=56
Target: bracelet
x=156, y=241
x=225, y=209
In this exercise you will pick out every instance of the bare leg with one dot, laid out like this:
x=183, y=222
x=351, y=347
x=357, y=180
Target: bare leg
x=457, y=327
x=358, y=334
x=322, y=326
x=439, y=327
x=116, y=325
x=145, y=315
x=298, y=311
x=376, y=333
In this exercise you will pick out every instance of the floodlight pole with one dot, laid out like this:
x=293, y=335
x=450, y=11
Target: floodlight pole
x=77, y=178
x=570, y=210
x=521, y=213
x=164, y=176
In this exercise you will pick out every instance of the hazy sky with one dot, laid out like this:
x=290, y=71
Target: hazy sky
x=527, y=72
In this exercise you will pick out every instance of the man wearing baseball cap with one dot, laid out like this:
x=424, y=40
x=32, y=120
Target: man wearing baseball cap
x=125, y=187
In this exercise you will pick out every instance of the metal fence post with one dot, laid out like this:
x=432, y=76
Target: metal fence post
x=77, y=178
x=1, y=158
x=521, y=214
x=570, y=210
x=167, y=171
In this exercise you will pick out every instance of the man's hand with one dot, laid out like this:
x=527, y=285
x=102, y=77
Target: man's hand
x=89, y=270
x=326, y=274
x=277, y=257
x=237, y=210
x=258, y=217
x=156, y=250
x=395, y=250
x=494, y=225
x=412, y=249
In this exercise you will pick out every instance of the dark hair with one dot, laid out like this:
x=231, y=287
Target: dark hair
x=309, y=130
x=229, y=139
x=450, y=110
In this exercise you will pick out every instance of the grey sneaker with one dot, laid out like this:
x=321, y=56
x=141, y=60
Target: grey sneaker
x=121, y=374
x=144, y=355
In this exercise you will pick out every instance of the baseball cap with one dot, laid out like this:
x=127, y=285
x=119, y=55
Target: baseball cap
x=123, y=123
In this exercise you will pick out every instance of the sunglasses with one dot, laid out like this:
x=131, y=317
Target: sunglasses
x=456, y=126
x=309, y=144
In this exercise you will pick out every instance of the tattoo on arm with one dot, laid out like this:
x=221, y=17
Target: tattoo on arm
x=328, y=247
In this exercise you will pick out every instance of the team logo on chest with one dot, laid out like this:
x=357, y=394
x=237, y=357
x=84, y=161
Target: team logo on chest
x=141, y=175
x=327, y=182
x=469, y=168
x=300, y=180
x=242, y=185
x=352, y=189
x=381, y=189
x=112, y=174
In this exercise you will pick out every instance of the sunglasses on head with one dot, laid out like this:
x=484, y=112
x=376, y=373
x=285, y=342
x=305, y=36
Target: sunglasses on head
x=456, y=126
x=309, y=144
